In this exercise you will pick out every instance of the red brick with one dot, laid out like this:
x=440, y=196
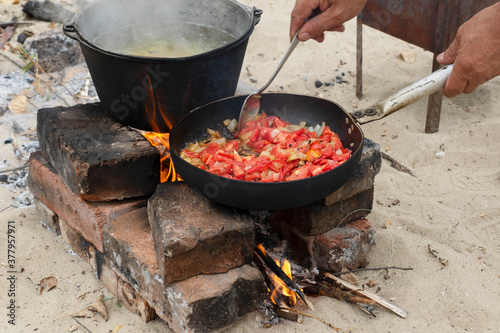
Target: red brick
x=88, y=218
x=316, y=218
x=48, y=217
x=348, y=245
x=129, y=249
x=193, y=235
x=133, y=301
x=97, y=157
x=212, y=302
x=207, y=302
x=78, y=244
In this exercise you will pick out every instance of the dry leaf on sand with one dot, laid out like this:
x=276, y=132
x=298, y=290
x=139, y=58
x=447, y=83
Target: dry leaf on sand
x=18, y=104
x=99, y=307
x=47, y=283
x=10, y=2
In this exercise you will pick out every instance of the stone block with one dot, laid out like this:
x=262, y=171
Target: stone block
x=98, y=158
x=88, y=218
x=363, y=177
x=193, y=235
x=316, y=218
x=348, y=245
x=212, y=302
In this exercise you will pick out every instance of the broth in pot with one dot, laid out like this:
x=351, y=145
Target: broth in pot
x=164, y=39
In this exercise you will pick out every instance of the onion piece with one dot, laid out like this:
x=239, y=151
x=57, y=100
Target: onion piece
x=319, y=132
x=274, y=132
x=232, y=125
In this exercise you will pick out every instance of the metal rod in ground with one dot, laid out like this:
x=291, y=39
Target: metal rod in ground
x=281, y=275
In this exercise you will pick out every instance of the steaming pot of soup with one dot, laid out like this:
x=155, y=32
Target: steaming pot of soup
x=153, y=61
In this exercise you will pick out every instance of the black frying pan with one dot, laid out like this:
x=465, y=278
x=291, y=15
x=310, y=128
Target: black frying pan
x=293, y=109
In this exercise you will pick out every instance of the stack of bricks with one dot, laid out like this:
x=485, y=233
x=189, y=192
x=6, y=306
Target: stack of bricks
x=334, y=234
x=163, y=249
x=187, y=261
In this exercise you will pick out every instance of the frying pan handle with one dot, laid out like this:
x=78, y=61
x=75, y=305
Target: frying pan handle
x=404, y=97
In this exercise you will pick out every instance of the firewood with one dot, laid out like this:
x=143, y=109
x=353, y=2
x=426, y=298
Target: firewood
x=47, y=11
x=281, y=275
x=333, y=292
x=379, y=300
x=284, y=312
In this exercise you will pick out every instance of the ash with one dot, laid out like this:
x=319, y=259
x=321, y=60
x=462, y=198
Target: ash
x=10, y=85
x=17, y=182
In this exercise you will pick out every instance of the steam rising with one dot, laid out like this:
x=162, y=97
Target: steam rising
x=133, y=17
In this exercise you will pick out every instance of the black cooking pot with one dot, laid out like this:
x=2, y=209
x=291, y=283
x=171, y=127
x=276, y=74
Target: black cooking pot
x=152, y=93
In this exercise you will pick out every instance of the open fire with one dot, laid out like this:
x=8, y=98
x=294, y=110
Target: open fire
x=281, y=288
x=157, y=139
x=160, y=141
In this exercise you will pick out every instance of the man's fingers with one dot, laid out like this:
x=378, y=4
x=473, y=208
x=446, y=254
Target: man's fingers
x=300, y=13
x=448, y=56
x=455, y=85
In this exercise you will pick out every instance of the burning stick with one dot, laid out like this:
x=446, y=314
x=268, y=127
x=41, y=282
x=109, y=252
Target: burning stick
x=278, y=301
x=379, y=300
x=281, y=275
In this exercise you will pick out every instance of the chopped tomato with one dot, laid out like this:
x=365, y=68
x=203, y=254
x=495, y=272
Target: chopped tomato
x=282, y=152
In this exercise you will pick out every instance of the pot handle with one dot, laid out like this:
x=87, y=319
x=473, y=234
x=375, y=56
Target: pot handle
x=70, y=30
x=404, y=97
x=256, y=15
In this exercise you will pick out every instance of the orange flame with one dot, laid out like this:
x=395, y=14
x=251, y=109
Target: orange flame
x=159, y=140
x=281, y=287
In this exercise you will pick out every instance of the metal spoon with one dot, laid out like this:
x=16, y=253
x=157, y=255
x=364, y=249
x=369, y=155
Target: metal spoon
x=251, y=106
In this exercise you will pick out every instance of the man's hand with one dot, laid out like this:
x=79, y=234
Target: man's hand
x=475, y=53
x=333, y=15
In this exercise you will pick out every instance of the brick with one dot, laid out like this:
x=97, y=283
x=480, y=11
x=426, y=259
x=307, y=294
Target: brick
x=348, y=246
x=129, y=249
x=202, y=303
x=212, y=302
x=316, y=218
x=48, y=217
x=109, y=279
x=363, y=177
x=98, y=158
x=76, y=242
x=88, y=218
x=193, y=235
x=133, y=301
